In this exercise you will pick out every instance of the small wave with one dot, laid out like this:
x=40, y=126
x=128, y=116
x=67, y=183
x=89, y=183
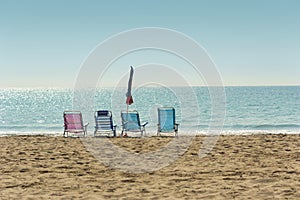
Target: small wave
x=263, y=126
x=30, y=127
x=29, y=133
x=255, y=132
x=277, y=126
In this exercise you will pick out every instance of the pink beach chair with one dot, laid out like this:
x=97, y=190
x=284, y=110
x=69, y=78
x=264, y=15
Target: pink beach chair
x=73, y=123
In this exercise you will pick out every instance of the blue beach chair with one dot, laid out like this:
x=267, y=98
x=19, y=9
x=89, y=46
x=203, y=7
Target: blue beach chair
x=131, y=123
x=166, y=121
x=104, y=123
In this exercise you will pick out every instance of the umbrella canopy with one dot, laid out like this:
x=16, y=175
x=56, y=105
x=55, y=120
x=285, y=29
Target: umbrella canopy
x=129, y=99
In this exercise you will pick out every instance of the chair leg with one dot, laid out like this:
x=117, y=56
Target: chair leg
x=158, y=132
x=144, y=131
x=85, y=131
x=176, y=130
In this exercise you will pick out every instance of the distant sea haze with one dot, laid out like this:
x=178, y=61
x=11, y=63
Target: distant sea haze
x=249, y=110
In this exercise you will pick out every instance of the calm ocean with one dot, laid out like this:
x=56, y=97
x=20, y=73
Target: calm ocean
x=248, y=109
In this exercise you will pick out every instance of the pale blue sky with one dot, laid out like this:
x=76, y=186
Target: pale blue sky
x=44, y=43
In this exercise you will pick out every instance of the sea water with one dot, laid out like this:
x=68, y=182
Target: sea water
x=247, y=110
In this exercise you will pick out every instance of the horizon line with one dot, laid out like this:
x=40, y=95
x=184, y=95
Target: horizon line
x=59, y=87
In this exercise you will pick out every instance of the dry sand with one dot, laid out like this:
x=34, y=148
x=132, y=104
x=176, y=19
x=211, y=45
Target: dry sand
x=239, y=167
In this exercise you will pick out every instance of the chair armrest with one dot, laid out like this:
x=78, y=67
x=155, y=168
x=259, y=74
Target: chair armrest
x=145, y=123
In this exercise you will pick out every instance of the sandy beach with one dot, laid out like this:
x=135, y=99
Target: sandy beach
x=238, y=167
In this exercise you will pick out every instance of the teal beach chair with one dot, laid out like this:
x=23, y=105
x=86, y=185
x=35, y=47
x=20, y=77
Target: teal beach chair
x=104, y=123
x=166, y=121
x=73, y=123
x=131, y=123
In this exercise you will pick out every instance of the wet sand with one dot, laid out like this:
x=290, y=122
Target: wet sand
x=238, y=167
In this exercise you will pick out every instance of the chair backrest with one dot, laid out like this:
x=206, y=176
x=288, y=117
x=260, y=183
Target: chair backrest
x=166, y=118
x=73, y=120
x=130, y=120
x=103, y=120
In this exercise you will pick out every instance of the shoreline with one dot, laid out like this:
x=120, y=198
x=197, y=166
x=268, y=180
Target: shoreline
x=264, y=166
x=153, y=134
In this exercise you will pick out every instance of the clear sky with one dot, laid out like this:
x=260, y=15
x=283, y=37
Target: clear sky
x=253, y=42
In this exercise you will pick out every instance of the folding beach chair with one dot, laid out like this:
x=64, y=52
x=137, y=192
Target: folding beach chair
x=166, y=121
x=73, y=123
x=104, y=123
x=131, y=123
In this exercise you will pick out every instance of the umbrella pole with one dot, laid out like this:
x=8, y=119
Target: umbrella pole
x=126, y=120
